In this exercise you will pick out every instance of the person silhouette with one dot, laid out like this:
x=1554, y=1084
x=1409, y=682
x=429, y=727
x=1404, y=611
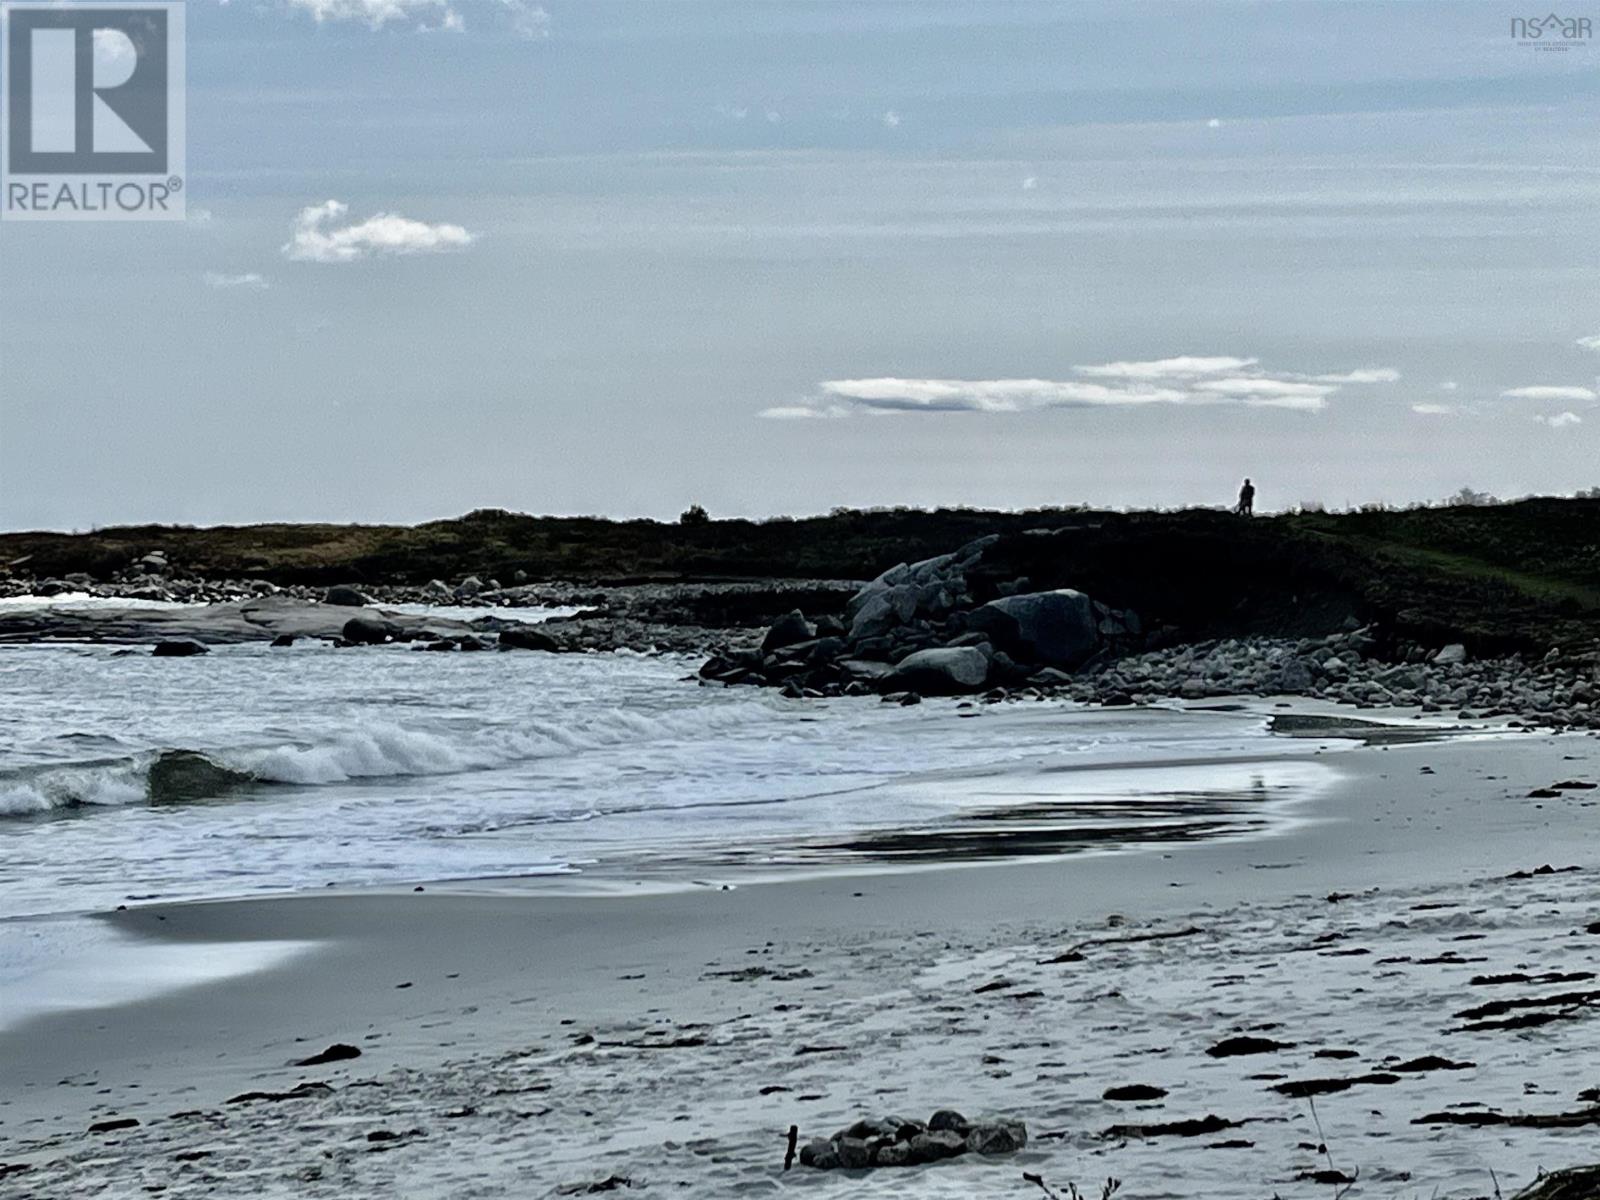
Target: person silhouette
x=1247, y=500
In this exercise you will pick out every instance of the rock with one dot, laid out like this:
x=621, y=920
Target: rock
x=114, y=1124
x=179, y=648
x=437, y=587
x=853, y=1153
x=942, y=671
x=949, y=1120
x=788, y=630
x=1234, y=1046
x=886, y=609
x=1294, y=677
x=997, y=1137
x=283, y=639
x=1455, y=652
x=338, y=1052
x=521, y=637
x=369, y=630
x=936, y=1145
x=1133, y=1092
x=892, y=1154
x=819, y=1153
x=469, y=587
x=346, y=597
x=1054, y=629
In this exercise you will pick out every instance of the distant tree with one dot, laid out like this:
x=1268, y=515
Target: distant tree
x=694, y=515
x=1467, y=498
x=1587, y=494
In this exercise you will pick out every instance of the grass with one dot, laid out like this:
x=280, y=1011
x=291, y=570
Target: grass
x=1517, y=576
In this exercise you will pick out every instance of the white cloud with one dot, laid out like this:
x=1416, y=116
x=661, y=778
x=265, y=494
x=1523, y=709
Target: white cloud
x=1592, y=342
x=1031, y=182
x=1362, y=375
x=1434, y=410
x=989, y=395
x=525, y=19
x=1199, y=380
x=1270, y=393
x=252, y=280
x=1561, y=420
x=1448, y=385
x=892, y=119
x=802, y=412
x=1181, y=367
x=1213, y=123
x=1550, y=393
x=318, y=239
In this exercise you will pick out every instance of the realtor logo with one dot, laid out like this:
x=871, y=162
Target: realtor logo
x=91, y=111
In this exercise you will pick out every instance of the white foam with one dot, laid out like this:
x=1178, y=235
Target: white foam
x=68, y=787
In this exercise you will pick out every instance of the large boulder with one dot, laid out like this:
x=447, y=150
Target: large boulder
x=179, y=648
x=369, y=629
x=1053, y=629
x=345, y=596
x=788, y=630
x=521, y=637
x=943, y=670
x=885, y=608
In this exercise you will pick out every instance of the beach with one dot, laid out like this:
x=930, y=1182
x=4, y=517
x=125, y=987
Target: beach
x=534, y=1036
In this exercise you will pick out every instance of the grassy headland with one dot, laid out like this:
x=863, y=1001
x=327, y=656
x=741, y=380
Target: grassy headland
x=1519, y=576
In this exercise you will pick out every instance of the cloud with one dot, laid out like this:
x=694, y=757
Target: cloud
x=526, y=20
x=251, y=280
x=1435, y=410
x=317, y=239
x=988, y=395
x=1561, y=420
x=1550, y=393
x=1031, y=182
x=1166, y=368
x=1592, y=342
x=802, y=412
x=1273, y=393
x=1448, y=385
x=892, y=119
x=1198, y=380
x=1363, y=375
x=1213, y=123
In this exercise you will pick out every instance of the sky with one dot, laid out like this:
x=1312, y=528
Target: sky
x=586, y=257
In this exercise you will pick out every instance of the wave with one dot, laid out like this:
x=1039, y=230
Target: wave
x=186, y=776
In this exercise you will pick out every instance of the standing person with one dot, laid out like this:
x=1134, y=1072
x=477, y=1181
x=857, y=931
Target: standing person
x=1247, y=500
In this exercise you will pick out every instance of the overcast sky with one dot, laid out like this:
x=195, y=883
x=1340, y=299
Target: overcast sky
x=597, y=258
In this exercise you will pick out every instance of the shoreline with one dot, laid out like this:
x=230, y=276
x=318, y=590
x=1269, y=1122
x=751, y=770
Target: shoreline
x=490, y=973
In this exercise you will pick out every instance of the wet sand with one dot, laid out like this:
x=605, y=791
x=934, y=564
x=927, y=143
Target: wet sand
x=671, y=1038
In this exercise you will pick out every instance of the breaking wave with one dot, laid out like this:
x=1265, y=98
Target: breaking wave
x=179, y=776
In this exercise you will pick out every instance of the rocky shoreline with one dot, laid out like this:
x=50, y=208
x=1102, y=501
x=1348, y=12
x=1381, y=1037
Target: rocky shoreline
x=687, y=618
x=961, y=623
x=940, y=627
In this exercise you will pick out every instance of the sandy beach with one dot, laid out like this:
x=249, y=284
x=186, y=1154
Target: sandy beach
x=522, y=1037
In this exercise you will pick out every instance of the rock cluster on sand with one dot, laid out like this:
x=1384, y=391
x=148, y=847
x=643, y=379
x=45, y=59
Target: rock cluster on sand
x=918, y=628
x=1347, y=668
x=894, y=1142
